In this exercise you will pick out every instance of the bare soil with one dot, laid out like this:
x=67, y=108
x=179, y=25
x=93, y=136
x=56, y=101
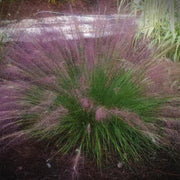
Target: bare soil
x=30, y=161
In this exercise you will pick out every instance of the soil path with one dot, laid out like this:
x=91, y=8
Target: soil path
x=66, y=27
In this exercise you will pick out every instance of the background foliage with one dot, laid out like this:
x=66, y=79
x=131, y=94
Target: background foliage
x=160, y=21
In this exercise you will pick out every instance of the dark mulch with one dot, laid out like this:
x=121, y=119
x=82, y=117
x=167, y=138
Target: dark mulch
x=29, y=161
x=21, y=9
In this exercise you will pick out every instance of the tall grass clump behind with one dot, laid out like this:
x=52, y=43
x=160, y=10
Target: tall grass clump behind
x=78, y=95
x=160, y=21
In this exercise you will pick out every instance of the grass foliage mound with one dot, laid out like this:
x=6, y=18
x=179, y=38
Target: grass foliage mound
x=71, y=96
x=159, y=21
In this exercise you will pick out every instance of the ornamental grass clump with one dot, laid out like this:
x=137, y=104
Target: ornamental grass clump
x=77, y=95
x=160, y=22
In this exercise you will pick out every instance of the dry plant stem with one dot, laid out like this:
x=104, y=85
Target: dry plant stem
x=76, y=163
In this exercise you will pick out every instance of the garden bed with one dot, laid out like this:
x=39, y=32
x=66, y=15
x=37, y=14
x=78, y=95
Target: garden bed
x=29, y=161
x=60, y=118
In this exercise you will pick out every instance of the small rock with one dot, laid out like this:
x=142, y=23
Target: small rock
x=77, y=150
x=48, y=165
x=20, y=168
x=120, y=165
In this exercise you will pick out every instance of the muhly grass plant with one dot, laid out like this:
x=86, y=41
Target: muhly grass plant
x=78, y=95
x=160, y=21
